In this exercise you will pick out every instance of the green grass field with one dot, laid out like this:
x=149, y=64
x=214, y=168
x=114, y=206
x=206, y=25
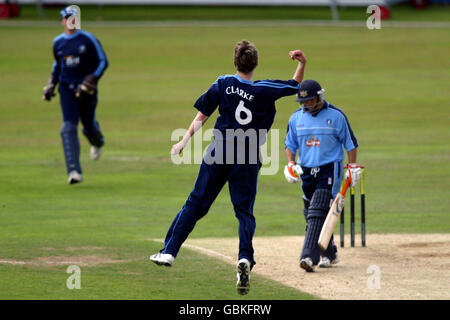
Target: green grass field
x=392, y=83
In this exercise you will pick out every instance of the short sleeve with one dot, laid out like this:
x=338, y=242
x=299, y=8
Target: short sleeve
x=279, y=88
x=209, y=100
x=346, y=136
x=291, y=136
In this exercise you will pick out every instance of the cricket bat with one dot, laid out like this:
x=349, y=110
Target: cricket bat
x=333, y=215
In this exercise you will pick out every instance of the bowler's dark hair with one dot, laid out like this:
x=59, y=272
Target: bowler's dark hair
x=245, y=56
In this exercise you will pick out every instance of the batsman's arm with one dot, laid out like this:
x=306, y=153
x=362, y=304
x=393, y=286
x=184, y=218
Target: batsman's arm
x=301, y=58
x=196, y=124
x=290, y=142
x=289, y=155
x=352, y=155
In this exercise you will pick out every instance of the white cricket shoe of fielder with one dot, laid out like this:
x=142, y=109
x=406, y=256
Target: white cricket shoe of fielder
x=96, y=152
x=74, y=177
x=163, y=259
x=307, y=264
x=243, y=276
x=325, y=262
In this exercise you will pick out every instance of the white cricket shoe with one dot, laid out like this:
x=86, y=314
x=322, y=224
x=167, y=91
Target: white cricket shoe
x=163, y=259
x=325, y=262
x=96, y=152
x=243, y=276
x=307, y=264
x=74, y=177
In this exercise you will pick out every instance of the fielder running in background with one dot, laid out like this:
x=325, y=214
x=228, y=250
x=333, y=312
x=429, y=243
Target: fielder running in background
x=244, y=105
x=318, y=131
x=79, y=63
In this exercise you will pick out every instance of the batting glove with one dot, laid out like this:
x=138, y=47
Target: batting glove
x=292, y=172
x=355, y=171
x=49, y=89
x=87, y=87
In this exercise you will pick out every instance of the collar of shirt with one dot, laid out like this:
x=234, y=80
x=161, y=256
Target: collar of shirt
x=73, y=35
x=243, y=80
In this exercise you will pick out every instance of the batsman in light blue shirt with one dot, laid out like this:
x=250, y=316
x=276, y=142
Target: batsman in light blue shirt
x=319, y=132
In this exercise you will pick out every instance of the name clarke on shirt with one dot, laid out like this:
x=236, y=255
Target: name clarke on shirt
x=239, y=92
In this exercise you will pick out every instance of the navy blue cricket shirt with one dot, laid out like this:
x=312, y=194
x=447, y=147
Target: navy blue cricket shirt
x=76, y=56
x=244, y=104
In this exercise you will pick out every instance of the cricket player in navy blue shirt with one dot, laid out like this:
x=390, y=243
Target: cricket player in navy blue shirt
x=318, y=131
x=79, y=64
x=244, y=105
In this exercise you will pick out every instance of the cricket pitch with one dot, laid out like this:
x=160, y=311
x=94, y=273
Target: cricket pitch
x=409, y=266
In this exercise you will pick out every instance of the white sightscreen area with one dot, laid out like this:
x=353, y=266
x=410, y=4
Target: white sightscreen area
x=223, y=2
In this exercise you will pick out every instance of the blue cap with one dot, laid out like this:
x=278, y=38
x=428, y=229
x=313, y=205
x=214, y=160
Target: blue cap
x=309, y=89
x=67, y=12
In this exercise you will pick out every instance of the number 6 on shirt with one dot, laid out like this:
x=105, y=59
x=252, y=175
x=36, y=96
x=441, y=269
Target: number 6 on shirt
x=240, y=108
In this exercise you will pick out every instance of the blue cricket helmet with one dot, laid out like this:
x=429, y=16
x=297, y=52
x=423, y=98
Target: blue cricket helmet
x=68, y=11
x=309, y=89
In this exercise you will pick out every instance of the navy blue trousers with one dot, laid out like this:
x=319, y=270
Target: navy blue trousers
x=73, y=110
x=242, y=182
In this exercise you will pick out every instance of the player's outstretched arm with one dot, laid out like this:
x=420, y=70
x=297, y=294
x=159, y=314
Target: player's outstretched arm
x=301, y=58
x=196, y=124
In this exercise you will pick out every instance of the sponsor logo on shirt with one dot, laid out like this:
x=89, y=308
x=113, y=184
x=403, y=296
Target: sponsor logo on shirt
x=72, y=61
x=313, y=142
